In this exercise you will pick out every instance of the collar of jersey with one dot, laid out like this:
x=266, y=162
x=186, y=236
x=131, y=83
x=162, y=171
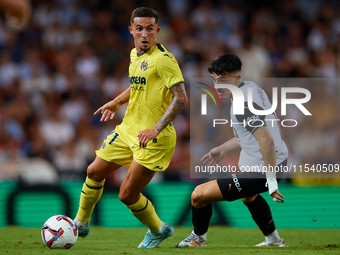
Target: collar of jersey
x=242, y=84
x=149, y=50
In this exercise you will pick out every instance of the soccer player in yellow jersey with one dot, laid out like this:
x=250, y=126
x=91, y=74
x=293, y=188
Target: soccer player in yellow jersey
x=144, y=142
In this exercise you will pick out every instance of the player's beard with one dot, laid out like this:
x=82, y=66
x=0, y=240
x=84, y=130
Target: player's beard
x=144, y=49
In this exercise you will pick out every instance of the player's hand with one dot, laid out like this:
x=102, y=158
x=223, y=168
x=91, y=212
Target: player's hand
x=213, y=157
x=277, y=196
x=108, y=111
x=146, y=135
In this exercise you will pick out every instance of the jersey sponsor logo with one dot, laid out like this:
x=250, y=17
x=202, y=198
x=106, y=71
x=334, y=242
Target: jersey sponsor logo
x=137, y=80
x=136, y=83
x=237, y=183
x=144, y=66
x=137, y=88
x=158, y=167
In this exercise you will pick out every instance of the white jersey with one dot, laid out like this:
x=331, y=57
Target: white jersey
x=243, y=126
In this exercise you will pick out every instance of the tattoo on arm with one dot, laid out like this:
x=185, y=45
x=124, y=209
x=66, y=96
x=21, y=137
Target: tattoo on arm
x=123, y=97
x=178, y=102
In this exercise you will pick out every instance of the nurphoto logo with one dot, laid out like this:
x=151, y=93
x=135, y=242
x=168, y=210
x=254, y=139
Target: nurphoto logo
x=238, y=103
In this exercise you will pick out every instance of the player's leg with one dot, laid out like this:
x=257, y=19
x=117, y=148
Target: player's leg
x=135, y=180
x=91, y=192
x=201, y=203
x=229, y=189
x=114, y=152
x=249, y=186
x=260, y=211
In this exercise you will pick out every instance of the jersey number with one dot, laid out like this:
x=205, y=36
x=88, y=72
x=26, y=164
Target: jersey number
x=114, y=138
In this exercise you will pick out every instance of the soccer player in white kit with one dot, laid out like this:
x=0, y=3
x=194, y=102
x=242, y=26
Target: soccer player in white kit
x=260, y=140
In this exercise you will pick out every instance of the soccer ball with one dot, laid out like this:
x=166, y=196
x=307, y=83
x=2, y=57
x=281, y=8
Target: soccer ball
x=59, y=232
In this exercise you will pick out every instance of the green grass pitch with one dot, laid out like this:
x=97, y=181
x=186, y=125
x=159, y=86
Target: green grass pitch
x=222, y=240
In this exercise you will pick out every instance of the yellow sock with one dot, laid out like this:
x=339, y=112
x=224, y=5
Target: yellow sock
x=90, y=195
x=145, y=212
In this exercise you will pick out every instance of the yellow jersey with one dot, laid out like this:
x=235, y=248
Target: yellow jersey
x=151, y=75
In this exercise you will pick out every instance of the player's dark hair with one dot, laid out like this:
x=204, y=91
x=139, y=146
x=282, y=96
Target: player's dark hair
x=142, y=12
x=227, y=63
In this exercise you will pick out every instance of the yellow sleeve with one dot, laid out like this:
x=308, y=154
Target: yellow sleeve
x=168, y=69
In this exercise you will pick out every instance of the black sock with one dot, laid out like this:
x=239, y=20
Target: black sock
x=201, y=219
x=260, y=211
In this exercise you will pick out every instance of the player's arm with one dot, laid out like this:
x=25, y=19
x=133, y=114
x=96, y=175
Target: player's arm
x=216, y=154
x=109, y=109
x=267, y=149
x=178, y=102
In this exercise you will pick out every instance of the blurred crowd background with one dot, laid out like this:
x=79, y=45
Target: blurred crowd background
x=73, y=57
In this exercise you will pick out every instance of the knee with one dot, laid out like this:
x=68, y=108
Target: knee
x=93, y=174
x=127, y=197
x=247, y=200
x=198, y=198
x=123, y=197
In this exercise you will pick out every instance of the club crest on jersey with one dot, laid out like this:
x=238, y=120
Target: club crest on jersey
x=144, y=66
